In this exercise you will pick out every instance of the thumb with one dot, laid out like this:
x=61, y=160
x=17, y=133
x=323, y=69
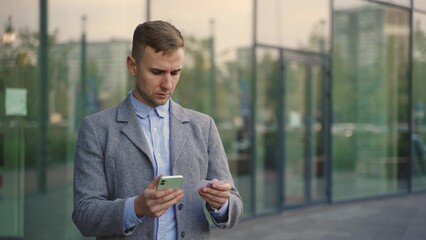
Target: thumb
x=154, y=183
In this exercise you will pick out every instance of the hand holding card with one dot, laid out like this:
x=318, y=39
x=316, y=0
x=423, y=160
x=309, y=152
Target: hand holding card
x=206, y=183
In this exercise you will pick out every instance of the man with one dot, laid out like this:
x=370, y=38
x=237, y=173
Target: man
x=121, y=152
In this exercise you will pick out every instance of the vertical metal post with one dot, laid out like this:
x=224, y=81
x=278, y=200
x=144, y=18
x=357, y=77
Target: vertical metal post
x=148, y=10
x=83, y=69
x=43, y=104
x=253, y=111
x=212, y=70
x=329, y=109
x=308, y=135
x=281, y=136
x=410, y=101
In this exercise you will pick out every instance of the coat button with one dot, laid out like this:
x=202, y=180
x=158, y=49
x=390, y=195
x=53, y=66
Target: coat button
x=182, y=234
x=180, y=207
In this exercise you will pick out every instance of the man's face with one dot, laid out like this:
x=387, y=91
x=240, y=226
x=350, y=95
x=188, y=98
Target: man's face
x=156, y=75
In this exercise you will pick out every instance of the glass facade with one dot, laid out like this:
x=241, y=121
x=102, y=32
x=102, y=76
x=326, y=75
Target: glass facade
x=314, y=102
x=370, y=95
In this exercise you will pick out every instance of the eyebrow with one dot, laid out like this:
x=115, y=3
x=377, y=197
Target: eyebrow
x=163, y=71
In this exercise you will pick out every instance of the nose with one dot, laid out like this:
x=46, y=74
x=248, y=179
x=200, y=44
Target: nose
x=167, y=81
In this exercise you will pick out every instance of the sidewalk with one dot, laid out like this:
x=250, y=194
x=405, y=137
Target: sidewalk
x=392, y=218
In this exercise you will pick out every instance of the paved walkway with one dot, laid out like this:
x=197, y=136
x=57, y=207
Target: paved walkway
x=391, y=218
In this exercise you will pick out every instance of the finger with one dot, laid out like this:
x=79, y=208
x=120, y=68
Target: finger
x=218, y=199
x=216, y=192
x=221, y=186
x=212, y=198
x=167, y=201
x=154, y=183
x=150, y=191
x=174, y=195
x=214, y=202
x=158, y=211
x=165, y=198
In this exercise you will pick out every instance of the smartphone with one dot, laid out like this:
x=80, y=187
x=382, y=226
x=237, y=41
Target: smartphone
x=174, y=182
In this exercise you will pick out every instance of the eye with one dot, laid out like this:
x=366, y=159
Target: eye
x=176, y=72
x=156, y=71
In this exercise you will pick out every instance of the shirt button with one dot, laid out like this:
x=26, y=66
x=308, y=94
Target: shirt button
x=180, y=207
x=182, y=234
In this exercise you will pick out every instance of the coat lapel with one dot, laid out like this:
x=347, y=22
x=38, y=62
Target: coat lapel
x=131, y=128
x=179, y=131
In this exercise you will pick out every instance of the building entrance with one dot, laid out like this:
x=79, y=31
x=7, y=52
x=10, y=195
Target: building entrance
x=304, y=128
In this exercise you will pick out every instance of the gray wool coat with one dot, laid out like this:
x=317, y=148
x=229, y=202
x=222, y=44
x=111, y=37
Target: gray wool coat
x=113, y=162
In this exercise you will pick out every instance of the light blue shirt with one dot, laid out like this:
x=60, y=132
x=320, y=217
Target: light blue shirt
x=156, y=128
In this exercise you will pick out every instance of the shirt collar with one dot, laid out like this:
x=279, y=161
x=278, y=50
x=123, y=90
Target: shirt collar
x=163, y=110
x=143, y=110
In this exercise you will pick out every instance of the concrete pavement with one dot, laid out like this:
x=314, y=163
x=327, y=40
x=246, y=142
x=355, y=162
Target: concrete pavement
x=390, y=218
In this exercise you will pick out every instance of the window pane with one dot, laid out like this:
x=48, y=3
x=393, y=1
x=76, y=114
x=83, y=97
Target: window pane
x=38, y=200
x=296, y=81
x=419, y=102
x=370, y=130
x=267, y=130
x=319, y=158
x=18, y=112
x=294, y=24
x=420, y=5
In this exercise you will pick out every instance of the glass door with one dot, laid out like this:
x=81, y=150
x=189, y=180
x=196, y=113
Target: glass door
x=304, y=125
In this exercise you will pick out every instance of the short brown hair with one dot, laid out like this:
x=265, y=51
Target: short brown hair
x=159, y=35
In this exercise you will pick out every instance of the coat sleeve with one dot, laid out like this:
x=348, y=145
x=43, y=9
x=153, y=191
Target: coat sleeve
x=94, y=213
x=219, y=169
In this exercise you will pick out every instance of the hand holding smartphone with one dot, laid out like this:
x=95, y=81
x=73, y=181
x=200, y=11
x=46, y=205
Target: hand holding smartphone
x=174, y=182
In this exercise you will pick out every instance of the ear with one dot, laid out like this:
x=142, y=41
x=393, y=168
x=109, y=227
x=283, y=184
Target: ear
x=131, y=65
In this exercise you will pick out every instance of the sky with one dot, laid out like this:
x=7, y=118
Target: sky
x=287, y=21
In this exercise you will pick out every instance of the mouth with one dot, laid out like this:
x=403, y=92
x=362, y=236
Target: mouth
x=162, y=95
